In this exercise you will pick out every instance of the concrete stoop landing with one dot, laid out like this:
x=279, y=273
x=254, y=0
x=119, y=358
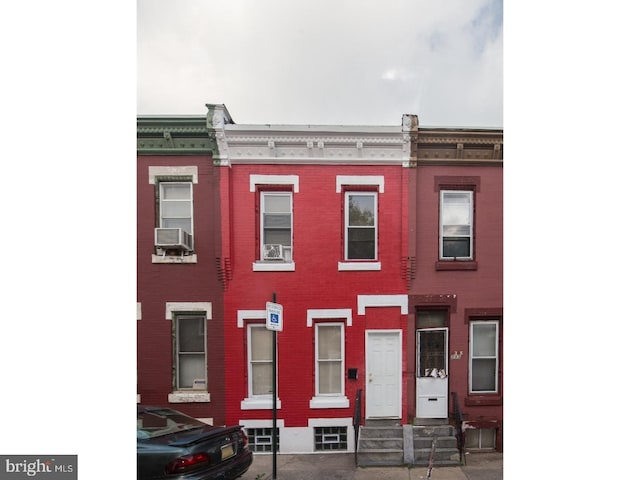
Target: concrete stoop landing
x=387, y=443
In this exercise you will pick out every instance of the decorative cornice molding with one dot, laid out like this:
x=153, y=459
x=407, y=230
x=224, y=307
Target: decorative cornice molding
x=459, y=147
x=316, y=149
x=173, y=135
x=309, y=144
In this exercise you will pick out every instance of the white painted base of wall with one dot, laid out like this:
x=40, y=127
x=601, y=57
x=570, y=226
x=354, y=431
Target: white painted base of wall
x=301, y=439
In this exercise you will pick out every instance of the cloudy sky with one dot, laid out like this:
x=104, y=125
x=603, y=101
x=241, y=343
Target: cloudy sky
x=323, y=62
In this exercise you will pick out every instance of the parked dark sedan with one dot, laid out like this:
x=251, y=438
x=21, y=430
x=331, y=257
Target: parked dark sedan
x=172, y=445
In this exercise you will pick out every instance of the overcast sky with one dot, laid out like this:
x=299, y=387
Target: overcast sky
x=348, y=62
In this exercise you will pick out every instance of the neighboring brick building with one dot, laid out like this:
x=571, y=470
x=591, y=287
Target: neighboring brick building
x=318, y=216
x=455, y=297
x=180, y=316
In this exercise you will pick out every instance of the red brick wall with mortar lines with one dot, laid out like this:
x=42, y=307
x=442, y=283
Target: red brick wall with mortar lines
x=474, y=289
x=315, y=284
x=162, y=283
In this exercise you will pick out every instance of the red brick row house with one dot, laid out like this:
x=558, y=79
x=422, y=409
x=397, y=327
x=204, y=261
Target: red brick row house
x=455, y=294
x=180, y=296
x=318, y=216
x=382, y=243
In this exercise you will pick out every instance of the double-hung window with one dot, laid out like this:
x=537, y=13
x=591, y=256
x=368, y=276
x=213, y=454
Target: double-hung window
x=176, y=206
x=329, y=359
x=361, y=226
x=190, y=352
x=174, y=225
x=175, y=217
x=456, y=225
x=276, y=226
x=483, y=374
x=260, y=349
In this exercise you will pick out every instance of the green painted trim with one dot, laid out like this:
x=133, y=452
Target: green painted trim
x=174, y=135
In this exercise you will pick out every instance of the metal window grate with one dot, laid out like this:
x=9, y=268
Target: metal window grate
x=330, y=438
x=480, y=438
x=260, y=439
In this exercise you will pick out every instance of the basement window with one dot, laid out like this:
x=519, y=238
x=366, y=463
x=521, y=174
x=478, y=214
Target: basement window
x=260, y=439
x=480, y=438
x=330, y=438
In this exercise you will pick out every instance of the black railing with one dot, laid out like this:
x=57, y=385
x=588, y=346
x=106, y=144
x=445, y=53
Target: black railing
x=458, y=418
x=357, y=413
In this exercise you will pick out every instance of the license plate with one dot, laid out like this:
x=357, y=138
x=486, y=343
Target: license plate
x=227, y=451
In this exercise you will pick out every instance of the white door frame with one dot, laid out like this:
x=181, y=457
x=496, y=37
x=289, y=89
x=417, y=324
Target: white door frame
x=369, y=373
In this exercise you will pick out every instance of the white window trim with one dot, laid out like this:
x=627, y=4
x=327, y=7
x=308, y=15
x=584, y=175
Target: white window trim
x=401, y=301
x=257, y=402
x=189, y=397
x=377, y=180
x=274, y=180
x=329, y=313
x=367, y=262
x=471, y=225
x=359, y=266
x=324, y=401
x=244, y=315
x=172, y=307
x=497, y=355
x=193, y=258
x=181, y=396
x=185, y=171
x=333, y=400
x=274, y=267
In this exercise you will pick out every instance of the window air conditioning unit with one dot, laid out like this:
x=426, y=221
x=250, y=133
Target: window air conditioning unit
x=273, y=251
x=174, y=238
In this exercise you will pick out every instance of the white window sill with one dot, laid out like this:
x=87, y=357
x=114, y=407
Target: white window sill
x=358, y=266
x=329, y=402
x=274, y=266
x=174, y=259
x=189, y=397
x=259, y=404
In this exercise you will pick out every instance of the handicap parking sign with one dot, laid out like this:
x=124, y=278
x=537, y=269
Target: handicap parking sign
x=274, y=316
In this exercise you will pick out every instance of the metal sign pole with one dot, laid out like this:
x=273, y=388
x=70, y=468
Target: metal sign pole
x=274, y=441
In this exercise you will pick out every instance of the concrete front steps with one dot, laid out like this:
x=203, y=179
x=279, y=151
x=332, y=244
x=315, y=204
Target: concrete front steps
x=387, y=443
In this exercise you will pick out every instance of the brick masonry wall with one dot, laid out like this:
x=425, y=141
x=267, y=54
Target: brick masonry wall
x=474, y=289
x=316, y=283
x=162, y=283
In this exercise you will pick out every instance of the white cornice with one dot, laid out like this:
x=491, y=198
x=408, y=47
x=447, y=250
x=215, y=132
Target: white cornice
x=312, y=144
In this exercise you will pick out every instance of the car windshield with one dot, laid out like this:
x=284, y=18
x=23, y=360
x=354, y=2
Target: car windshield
x=155, y=423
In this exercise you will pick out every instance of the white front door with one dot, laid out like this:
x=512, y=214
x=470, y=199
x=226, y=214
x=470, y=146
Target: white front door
x=432, y=370
x=384, y=371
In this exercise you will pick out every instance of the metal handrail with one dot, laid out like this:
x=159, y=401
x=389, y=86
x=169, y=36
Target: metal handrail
x=431, y=455
x=356, y=421
x=459, y=419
